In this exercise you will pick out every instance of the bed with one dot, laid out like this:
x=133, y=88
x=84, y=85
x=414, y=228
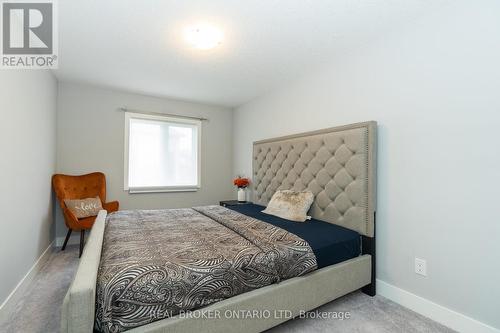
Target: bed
x=286, y=267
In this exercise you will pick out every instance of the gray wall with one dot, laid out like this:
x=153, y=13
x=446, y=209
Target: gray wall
x=27, y=148
x=434, y=89
x=90, y=138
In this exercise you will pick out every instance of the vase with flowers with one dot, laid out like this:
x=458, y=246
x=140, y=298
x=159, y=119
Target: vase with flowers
x=242, y=184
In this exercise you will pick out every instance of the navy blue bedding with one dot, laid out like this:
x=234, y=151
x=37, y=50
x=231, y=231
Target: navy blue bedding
x=330, y=243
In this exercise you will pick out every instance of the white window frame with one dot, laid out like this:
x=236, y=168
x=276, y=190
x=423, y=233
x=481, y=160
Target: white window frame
x=170, y=119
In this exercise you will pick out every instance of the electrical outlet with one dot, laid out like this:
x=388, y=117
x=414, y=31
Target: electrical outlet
x=420, y=266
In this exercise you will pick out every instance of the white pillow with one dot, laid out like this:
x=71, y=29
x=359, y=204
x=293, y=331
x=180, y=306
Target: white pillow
x=290, y=205
x=85, y=207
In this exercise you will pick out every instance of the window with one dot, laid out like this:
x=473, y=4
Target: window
x=162, y=153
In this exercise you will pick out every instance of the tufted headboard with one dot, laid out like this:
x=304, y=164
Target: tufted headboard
x=338, y=165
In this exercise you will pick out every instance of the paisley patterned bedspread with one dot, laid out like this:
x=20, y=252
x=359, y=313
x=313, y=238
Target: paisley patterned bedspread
x=157, y=263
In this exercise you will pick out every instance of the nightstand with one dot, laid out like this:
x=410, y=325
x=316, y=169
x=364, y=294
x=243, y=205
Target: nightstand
x=226, y=203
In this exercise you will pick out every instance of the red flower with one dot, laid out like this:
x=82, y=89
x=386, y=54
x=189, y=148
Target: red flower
x=241, y=182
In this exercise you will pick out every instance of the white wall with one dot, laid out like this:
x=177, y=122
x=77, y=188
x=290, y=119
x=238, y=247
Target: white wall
x=27, y=162
x=90, y=138
x=434, y=89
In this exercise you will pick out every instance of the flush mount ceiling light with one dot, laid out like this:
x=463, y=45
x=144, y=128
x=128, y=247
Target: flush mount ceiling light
x=203, y=36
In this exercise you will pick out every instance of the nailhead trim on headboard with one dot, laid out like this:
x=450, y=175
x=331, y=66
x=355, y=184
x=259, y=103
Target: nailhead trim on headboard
x=336, y=164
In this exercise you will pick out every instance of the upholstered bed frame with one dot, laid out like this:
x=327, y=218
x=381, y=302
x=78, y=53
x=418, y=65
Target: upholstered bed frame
x=339, y=166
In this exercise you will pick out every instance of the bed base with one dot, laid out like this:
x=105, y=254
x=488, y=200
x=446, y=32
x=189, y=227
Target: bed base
x=282, y=301
x=293, y=295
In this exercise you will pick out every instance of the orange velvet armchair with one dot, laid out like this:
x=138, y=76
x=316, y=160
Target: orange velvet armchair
x=81, y=187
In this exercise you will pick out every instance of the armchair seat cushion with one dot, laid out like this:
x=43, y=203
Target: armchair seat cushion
x=86, y=223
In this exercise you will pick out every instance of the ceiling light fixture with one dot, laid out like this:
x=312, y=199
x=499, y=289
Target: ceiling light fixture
x=203, y=36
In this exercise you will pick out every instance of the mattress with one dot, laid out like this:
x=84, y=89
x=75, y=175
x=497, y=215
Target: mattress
x=157, y=264
x=330, y=243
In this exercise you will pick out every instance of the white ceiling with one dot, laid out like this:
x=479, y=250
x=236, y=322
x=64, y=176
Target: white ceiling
x=137, y=45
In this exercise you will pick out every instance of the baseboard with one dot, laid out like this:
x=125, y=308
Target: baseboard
x=10, y=302
x=436, y=312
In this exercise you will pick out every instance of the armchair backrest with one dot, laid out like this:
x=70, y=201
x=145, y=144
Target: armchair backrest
x=79, y=187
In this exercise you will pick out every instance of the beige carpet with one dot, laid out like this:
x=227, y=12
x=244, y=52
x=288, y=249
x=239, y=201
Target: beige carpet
x=39, y=309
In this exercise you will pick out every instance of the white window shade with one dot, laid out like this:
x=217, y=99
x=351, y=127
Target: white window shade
x=161, y=153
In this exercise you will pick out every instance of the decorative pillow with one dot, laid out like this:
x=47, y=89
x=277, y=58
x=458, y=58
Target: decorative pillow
x=290, y=205
x=85, y=207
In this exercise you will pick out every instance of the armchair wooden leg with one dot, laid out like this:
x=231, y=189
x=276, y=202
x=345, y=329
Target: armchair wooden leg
x=82, y=241
x=66, y=239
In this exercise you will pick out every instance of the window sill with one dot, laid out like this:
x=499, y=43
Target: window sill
x=162, y=189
